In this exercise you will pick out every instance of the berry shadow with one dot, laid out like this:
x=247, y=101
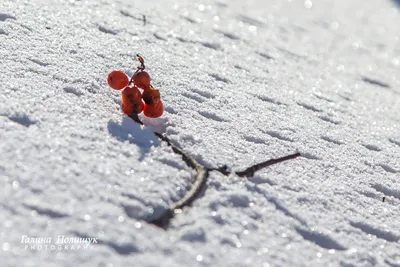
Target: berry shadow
x=128, y=130
x=158, y=125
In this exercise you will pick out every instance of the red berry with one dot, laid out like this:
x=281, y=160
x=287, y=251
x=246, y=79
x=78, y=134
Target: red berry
x=141, y=79
x=129, y=110
x=154, y=110
x=131, y=99
x=117, y=80
x=151, y=96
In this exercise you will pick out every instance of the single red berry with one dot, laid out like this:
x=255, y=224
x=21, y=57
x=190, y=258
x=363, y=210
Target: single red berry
x=154, y=110
x=117, y=80
x=132, y=98
x=151, y=96
x=141, y=79
x=129, y=110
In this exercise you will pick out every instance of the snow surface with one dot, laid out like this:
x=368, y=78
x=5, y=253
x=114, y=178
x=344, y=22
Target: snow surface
x=242, y=82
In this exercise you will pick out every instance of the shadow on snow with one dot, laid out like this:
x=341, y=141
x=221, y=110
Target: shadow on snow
x=128, y=130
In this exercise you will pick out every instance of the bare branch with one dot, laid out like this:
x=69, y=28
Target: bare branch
x=201, y=176
x=249, y=172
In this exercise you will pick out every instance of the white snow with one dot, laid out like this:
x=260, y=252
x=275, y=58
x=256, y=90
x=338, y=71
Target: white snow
x=242, y=82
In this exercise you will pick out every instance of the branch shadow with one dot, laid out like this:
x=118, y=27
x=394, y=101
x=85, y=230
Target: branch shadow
x=128, y=130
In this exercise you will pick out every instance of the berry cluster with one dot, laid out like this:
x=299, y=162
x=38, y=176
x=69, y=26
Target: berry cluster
x=132, y=98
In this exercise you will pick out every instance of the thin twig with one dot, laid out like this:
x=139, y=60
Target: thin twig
x=200, y=181
x=249, y=172
x=201, y=176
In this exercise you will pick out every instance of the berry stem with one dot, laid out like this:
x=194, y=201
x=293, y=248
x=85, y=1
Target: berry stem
x=141, y=60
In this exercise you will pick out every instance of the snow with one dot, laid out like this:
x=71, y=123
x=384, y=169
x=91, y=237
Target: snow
x=242, y=82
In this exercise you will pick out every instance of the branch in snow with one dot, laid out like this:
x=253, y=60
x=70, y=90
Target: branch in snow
x=202, y=173
x=249, y=172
